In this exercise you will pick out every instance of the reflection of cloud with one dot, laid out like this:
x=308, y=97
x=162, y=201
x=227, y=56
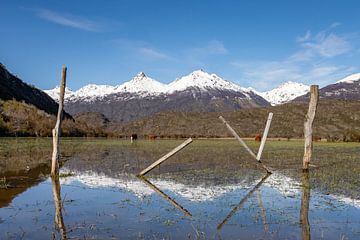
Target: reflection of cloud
x=68, y=20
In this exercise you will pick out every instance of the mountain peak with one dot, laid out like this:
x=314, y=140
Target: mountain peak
x=140, y=75
x=285, y=92
x=142, y=84
x=203, y=81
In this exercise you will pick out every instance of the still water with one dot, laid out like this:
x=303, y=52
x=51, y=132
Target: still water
x=210, y=190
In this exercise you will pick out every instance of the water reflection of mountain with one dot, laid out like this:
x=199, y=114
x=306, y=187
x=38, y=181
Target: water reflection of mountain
x=193, y=189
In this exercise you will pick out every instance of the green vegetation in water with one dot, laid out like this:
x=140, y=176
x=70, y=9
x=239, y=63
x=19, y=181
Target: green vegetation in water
x=3, y=183
x=66, y=174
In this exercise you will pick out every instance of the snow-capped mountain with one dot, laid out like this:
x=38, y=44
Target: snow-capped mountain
x=142, y=96
x=55, y=92
x=347, y=88
x=142, y=84
x=204, y=81
x=285, y=93
x=350, y=79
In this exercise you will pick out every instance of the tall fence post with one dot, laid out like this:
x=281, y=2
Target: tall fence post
x=314, y=98
x=57, y=130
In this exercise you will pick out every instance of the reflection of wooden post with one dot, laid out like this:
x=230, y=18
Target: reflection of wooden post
x=57, y=130
x=304, y=211
x=242, y=202
x=59, y=220
x=314, y=98
x=262, y=210
x=162, y=159
x=165, y=196
x=263, y=139
x=232, y=131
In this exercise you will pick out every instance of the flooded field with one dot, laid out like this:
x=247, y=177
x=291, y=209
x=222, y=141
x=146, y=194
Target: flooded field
x=212, y=189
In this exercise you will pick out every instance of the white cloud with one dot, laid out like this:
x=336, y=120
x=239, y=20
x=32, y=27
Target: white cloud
x=68, y=20
x=152, y=53
x=323, y=44
x=263, y=75
x=317, y=62
x=304, y=38
x=211, y=48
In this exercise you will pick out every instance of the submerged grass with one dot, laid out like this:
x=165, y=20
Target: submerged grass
x=3, y=183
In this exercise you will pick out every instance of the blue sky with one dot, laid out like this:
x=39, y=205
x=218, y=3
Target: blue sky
x=253, y=43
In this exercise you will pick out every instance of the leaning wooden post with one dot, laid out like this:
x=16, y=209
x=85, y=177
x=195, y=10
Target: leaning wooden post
x=263, y=139
x=57, y=130
x=243, y=143
x=162, y=159
x=314, y=98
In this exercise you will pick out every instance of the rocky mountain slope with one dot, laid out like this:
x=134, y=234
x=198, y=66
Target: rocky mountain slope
x=11, y=87
x=344, y=89
x=335, y=120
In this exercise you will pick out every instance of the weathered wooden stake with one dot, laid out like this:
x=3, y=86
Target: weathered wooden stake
x=165, y=157
x=314, y=98
x=57, y=130
x=165, y=196
x=243, y=143
x=263, y=139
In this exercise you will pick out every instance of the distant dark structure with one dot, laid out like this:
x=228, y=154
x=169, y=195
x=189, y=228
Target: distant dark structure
x=258, y=137
x=133, y=137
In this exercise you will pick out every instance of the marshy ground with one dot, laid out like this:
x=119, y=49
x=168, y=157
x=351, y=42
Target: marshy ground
x=212, y=189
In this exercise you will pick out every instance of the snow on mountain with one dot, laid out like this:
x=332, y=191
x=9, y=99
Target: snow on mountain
x=350, y=79
x=142, y=84
x=284, y=185
x=203, y=81
x=285, y=92
x=55, y=92
x=94, y=90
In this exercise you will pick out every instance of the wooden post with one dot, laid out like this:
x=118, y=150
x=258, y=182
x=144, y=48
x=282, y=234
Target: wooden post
x=57, y=130
x=263, y=139
x=165, y=196
x=314, y=98
x=59, y=220
x=165, y=157
x=304, y=211
x=243, y=143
